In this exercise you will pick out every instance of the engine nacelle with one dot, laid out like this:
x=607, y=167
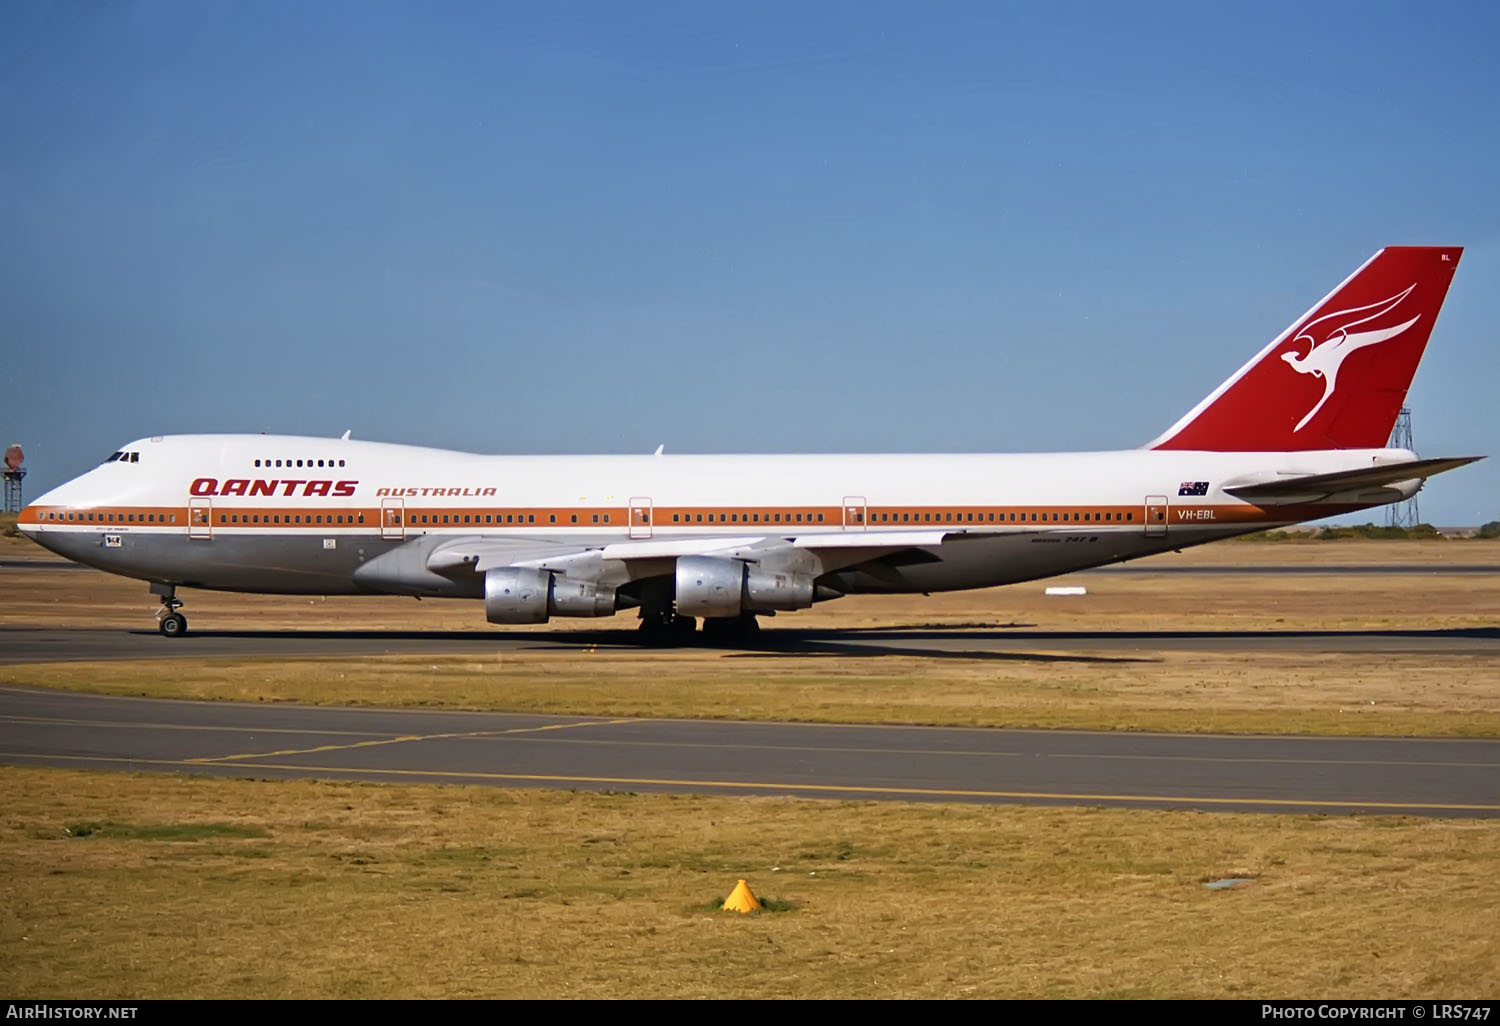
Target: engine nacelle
x=572, y=597
x=772, y=589
x=709, y=586
x=515, y=594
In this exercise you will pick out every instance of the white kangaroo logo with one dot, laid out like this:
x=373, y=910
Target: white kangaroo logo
x=1324, y=358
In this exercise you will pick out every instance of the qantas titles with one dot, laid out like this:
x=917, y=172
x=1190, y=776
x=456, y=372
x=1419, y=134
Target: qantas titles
x=204, y=487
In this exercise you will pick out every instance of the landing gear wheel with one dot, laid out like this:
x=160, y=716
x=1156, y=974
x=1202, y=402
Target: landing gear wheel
x=665, y=629
x=731, y=630
x=169, y=621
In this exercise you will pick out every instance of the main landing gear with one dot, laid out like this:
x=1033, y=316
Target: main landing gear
x=665, y=628
x=169, y=621
x=731, y=630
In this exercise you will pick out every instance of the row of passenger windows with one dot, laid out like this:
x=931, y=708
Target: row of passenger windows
x=299, y=463
x=124, y=518
x=858, y=517
x=395, y=517
x=735, y=518
x=290, y=518
x=990, y=518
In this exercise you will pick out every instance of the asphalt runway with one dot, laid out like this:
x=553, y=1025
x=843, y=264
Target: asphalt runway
x=1004, y=642
x=1262, y=774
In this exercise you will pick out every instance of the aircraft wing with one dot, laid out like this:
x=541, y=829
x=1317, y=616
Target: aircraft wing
x=1286, y=488
x=647, y=557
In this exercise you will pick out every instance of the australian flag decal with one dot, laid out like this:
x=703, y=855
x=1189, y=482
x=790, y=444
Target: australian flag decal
x=1193, y=488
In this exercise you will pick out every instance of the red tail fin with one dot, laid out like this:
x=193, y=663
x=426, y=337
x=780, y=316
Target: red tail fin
x=1337, y=377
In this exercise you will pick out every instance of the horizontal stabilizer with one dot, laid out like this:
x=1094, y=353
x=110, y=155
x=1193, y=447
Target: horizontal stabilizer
x=1348, y=480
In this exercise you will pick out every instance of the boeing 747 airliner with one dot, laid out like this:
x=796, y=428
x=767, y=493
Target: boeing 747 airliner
x=1298, y=433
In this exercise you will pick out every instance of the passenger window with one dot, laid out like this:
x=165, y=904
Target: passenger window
x=575, y=518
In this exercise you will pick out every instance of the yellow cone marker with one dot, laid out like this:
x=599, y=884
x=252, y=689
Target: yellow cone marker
x=741, y=900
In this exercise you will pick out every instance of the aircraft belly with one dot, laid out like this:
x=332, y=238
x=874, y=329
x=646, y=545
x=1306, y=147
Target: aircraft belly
x=1009, y=559
x=299, y=565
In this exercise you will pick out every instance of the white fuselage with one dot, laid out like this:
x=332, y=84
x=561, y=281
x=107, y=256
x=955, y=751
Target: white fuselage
x=305, y=515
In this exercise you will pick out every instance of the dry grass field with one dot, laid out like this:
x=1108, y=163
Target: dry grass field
x=149, y=886
x=133, y=885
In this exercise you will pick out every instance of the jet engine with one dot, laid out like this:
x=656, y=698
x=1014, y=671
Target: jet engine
x=515, y=594
x=710, y=586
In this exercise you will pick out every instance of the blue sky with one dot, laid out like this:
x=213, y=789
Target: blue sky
x=815, y=226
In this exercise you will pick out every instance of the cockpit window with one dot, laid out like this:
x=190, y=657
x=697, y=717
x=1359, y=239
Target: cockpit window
x=114, y=457
x=124, y=457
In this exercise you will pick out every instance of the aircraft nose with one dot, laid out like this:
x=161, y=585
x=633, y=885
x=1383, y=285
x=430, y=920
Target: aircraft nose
x=27, y=522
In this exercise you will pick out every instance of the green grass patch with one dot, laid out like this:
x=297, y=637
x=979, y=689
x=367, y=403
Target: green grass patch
x=159, y=831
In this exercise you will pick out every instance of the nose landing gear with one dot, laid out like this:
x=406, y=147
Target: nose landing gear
x=169, y=621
